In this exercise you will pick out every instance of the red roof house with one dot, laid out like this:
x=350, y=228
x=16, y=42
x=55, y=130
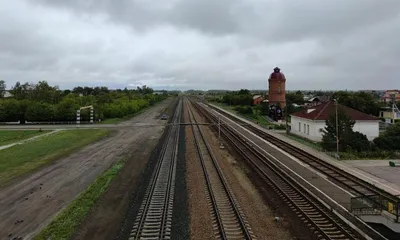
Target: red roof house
x=310, y=122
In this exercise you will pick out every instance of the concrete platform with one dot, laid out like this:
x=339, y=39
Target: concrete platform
x=378, y=169
x=376, y=172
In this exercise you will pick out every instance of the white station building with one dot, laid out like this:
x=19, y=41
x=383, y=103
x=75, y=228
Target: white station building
x=310, y=123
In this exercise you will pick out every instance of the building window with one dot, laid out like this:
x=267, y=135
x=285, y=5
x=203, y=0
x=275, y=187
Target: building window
x=299, y=127
x=308, y=129
x=304, y=128
x=381, y=114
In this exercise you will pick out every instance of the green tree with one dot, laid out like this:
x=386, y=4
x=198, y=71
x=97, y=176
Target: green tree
x=390, y=140
x=345, y=130
x=2, y=88
x=264, y=109
x=361, y=101
x=66, y=109
x=297, y=98
x=358, y=142
x=40, y=112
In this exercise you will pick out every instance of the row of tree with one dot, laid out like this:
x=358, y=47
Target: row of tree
x=43, y=103
x=242, y=97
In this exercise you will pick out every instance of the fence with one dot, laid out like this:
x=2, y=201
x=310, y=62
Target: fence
x=374, y=205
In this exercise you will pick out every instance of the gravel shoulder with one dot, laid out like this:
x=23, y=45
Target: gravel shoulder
x=199, y=212
x=105, y=219
x=259, y=215
x=36, y=199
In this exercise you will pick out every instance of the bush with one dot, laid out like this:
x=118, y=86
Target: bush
x=280, y=127
x=388, y=142
x=244, y=109
x=368, y=155
x=358, y=142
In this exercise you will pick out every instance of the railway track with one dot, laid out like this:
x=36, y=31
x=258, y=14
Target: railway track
x=154, y=218
x=228, y=220
x=317, y=217
x=374, y=196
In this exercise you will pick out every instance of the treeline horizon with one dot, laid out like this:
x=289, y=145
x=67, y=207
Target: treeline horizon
x=40, y=102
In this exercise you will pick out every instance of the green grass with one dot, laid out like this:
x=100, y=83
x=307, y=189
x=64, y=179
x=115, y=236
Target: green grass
x=65, y=224
x=24, y=158
x=251, y=117
x=12, y=136
x=304, y=141
x=113, y=120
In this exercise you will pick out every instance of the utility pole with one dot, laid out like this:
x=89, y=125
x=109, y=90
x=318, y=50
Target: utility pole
x=219, y=133
x=287, y=118
x=337, y=129
x=219, y=130
x=393, y=107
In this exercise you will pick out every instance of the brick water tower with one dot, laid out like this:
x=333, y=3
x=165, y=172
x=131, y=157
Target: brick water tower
x=277, y=91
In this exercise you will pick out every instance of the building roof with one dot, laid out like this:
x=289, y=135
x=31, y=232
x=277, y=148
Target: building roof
x=7, y=94
x=277, y=75
x=324, y=110
x=320, y=98
x=256, y=96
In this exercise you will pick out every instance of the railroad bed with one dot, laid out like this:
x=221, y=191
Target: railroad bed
x=313, y=214
x=228, y=220
x=367, y=194
x=154, y=218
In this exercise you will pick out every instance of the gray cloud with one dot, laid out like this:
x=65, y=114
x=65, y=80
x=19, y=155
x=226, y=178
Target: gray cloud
x=201, y=44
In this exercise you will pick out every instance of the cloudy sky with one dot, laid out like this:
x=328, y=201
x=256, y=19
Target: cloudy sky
x=201, y=44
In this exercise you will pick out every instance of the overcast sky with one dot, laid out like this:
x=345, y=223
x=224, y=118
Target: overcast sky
x=201, y=44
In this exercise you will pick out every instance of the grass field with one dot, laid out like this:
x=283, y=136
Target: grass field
x=12, y=136
x=251, y=117
x=24, y=158
x=307, y=142
x=64, y=225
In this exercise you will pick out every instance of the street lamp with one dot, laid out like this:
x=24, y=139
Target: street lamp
x=337, y=128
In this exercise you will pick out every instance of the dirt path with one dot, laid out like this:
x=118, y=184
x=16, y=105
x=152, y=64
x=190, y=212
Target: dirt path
x=104, y=221
x=36, y=199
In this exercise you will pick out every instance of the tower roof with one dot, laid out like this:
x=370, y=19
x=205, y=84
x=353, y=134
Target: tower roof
x=277, y=75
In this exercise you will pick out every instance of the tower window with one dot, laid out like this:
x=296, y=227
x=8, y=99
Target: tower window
x=279, y=89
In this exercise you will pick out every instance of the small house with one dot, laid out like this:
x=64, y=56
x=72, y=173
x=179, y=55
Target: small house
x=310, y=123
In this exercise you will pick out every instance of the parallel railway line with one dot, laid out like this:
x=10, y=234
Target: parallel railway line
x=318, y=218
x=372, y=195
x=228, y=220
x=154, y=219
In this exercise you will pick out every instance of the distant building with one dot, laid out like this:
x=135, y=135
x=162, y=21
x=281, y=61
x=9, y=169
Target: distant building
x=7, y=94
x=310, y=122
x=317, y=100
x=257, y=99
x=277, y=92
x=390, y=114
x=390, y=94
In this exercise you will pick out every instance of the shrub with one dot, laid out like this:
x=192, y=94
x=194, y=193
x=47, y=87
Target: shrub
x=244, y=109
